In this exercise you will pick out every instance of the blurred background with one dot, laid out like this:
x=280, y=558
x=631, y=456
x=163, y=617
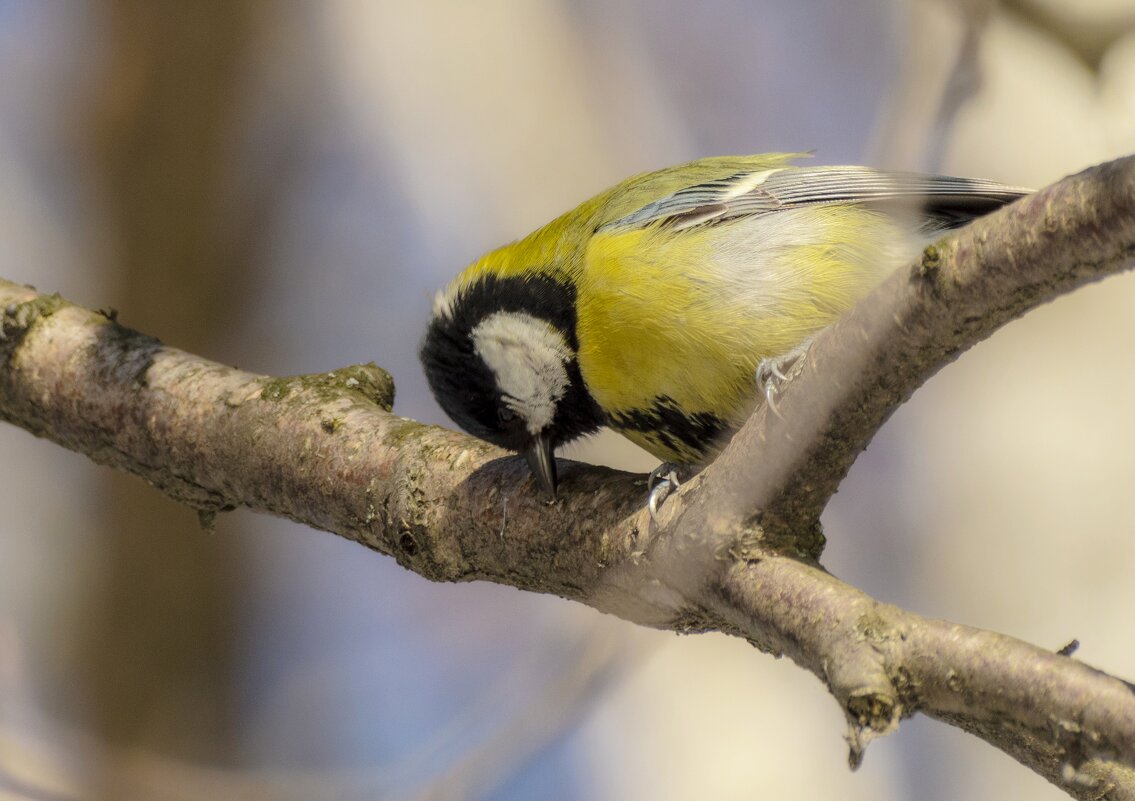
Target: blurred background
x=281, y=185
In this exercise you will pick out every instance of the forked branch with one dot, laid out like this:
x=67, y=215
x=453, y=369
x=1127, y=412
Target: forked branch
x=735, y=550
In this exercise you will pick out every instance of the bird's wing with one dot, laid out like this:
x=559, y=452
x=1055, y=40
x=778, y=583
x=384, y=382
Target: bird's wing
x=943, y=200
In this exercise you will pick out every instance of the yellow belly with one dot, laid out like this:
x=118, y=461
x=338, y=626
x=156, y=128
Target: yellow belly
x=672, y=326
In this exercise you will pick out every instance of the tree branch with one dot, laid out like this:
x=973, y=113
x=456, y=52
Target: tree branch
x=735, y=549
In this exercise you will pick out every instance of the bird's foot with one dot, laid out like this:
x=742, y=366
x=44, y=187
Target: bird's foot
x=662, y=481
x=774, y=373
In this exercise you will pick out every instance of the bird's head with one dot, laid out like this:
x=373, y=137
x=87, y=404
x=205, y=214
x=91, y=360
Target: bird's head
x=500, y=357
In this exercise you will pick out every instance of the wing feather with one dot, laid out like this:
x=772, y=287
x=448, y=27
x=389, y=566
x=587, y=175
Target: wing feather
x=942, y=199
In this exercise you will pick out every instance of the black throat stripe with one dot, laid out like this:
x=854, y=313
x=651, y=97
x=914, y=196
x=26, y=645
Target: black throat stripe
x=673, y=428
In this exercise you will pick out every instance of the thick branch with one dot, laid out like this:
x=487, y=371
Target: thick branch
x=323, y=450
x=320, y=449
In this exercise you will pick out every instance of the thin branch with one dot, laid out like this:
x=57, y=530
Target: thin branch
x=1066, y=720
x=736, y=547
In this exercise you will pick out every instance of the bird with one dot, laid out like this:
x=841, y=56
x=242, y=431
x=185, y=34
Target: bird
x=659, y=307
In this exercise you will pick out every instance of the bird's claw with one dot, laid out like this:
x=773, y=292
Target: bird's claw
x=662, y=481
x=774, y=373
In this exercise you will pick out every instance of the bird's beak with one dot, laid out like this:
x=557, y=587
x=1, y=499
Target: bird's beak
x=542, y=461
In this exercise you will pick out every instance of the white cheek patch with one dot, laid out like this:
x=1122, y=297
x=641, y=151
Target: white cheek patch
x=529, y=359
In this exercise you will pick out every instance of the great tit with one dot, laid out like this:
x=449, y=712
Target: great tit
x=649, y=307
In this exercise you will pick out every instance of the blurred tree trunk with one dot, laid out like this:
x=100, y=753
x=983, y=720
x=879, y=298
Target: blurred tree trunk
x=157, y=649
